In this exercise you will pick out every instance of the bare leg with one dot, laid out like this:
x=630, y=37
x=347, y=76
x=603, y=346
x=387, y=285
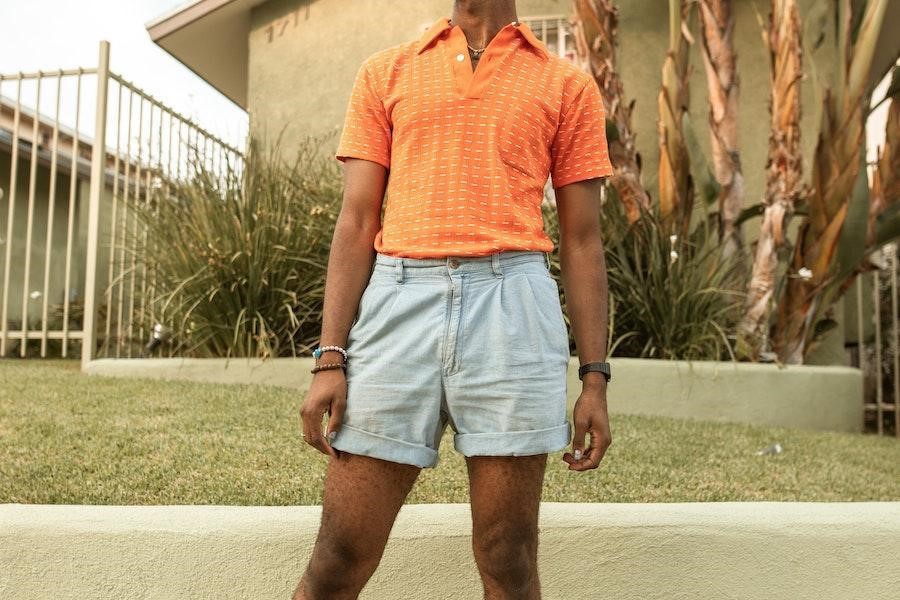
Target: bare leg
x=361, y=500
x=505, y=493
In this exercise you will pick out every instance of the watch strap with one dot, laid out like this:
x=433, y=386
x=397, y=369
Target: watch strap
x=601, y=367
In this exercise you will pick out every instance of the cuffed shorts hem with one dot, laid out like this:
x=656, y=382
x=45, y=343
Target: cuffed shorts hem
x=359, y=441
x=513, y=443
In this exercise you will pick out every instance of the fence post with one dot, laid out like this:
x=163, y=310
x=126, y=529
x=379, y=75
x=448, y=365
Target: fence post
x=98, y=168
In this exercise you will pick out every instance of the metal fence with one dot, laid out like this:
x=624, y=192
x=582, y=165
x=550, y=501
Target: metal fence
x=876, y=350
x=82, y=146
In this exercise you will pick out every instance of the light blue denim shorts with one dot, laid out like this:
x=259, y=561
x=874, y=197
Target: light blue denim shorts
x=478, y=343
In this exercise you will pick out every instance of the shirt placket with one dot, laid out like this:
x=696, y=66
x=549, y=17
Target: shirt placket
x=469, y=84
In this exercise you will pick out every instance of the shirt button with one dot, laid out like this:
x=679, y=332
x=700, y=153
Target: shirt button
x=453, y=263
x=460, y=57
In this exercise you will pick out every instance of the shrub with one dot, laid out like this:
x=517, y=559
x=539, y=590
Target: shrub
x=238, y=258
x=659, y=308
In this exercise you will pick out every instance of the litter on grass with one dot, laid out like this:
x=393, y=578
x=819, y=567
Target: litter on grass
x=773, y=449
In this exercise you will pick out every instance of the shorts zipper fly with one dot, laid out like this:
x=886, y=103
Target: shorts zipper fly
x=450, y=362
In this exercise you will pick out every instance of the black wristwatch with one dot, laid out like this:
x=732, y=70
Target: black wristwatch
x=602, y=367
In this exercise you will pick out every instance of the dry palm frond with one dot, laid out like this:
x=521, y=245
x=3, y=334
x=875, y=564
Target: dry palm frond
x=836, y=166
x=675, y=184
x=720, y=61
x=784, y=170
x=595, y=29
x=886, y=178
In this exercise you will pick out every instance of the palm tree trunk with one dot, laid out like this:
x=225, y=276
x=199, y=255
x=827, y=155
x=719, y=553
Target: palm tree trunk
x=835, y=168
x=784, y=170
x=720, y=61
x=675, y=184
x=596, y=29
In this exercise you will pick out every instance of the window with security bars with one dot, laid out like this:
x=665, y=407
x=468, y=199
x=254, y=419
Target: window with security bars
x=554, y=30
x=556, y=33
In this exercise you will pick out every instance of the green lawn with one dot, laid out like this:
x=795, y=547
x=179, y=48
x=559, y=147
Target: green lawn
x=72, y=439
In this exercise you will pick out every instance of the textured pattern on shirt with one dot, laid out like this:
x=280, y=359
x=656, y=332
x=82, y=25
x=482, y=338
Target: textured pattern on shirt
x=469, y=153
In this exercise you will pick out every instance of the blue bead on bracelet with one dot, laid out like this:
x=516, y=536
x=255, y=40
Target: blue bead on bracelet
x=317, y=352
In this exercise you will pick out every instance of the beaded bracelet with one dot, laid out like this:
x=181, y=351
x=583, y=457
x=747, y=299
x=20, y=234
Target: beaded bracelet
x=320, y=350
x=327, y=367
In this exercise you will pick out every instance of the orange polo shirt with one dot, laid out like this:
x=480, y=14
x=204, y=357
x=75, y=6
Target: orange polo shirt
x=469, y=153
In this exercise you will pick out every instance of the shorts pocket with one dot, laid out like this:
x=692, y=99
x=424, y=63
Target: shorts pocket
x=378, y=293
x=546, y=293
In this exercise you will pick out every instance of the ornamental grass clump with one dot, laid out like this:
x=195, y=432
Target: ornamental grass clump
x=237, y=256
x=671, y=298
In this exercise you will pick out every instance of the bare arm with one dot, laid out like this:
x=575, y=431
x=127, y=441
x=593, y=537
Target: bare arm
x=349, y=267
x=351, y=256
x=583, y=273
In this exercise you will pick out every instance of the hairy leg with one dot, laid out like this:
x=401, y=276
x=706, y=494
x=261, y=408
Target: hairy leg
x=505, y=493
x=362, y=497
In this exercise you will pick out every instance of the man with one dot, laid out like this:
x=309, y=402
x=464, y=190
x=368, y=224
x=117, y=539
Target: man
x=458, y=321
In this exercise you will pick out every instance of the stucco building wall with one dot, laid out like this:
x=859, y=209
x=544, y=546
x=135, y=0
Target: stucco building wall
x=304, y=55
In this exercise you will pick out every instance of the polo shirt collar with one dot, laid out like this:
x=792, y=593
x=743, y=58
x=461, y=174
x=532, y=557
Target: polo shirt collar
x=443, y=24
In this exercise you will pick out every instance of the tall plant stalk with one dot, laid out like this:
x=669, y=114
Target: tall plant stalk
x=886, y=177
x=676, y=189
x=720, y=62
x=784, y=170
x=595, y=30
x=811, y=287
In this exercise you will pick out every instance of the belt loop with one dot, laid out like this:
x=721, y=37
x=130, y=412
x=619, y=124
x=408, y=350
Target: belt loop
x=495, y=264
x=547, y=256
x=398, y=268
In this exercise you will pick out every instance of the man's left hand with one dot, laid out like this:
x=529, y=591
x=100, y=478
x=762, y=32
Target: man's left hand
x=590, y=418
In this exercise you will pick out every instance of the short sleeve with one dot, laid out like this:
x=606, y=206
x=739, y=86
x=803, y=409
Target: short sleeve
x=579, y=150
x=367, y=129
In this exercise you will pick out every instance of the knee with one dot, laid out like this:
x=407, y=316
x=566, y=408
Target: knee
x=506, y=556
x=339, y=565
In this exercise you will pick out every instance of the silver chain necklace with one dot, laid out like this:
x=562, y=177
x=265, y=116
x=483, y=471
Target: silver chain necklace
x=476, y=52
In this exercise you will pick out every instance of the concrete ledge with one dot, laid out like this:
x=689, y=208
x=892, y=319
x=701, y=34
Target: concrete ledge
x=827, y=398
x=799, y=396
x=764, y=550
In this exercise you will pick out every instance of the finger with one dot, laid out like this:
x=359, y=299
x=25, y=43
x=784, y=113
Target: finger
x=595, y=453
x=335, y=418
x=581, y=426
x=577, y=465
x=326, y=441
x=312, y=430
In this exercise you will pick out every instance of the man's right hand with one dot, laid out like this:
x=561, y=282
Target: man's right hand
x=327, y=394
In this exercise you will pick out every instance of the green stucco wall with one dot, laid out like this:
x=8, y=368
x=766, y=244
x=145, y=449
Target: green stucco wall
x=304, y=55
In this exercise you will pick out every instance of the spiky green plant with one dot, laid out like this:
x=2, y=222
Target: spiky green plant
x=673, y=298
x=239, y=257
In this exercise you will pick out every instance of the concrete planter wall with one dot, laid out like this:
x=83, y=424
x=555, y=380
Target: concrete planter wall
x=807, y=397
x=758, y=550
